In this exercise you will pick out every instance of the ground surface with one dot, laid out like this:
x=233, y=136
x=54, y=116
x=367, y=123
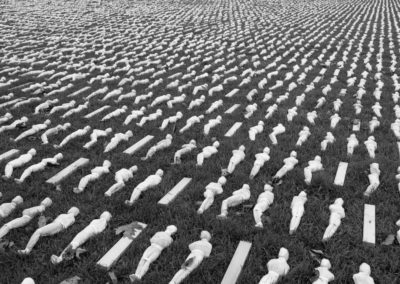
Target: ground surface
x=325, y=39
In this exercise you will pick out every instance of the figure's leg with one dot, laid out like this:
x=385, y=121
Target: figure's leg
x=254, y=171
x=258, y=210
x=128, y=119
x=307, y=175
x=135, y=196
x=90, y=143
x=231, y=166
x=330, y=230
x=370, y=189
x=24, y=134
x=295, y=221
x=183, y=129
x=208, y=201
x=13, y=224
x=44, y=138
x=8, y=170
x=177, y=157
x=24, y=175
x=113, y=189
x=164, y=124
x=281, y=172
x=190, y=264
x=200, y=159
x=47, y=230
x=273, y=138
x=83, y=183
x=206, y=129
x=150, y=153
x=148, y=258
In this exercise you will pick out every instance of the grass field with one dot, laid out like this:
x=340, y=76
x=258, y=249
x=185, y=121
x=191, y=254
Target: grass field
x=317, y=42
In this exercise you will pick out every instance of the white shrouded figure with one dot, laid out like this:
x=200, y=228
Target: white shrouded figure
x=135, y=114
x=185, y=149
x=28, y=280
x=303, y=136
x=238, y=156
x=95, y=227
x=7, y=208
x=364, y=276
x=161, y=145
x=190, y=122
x=129, y=95
x=198, y=251
x=17, y=123
x=297, y=207
x=175, y=100
x=313, y=166
x=311, y=116
x=33, y=130
x=395, y=127
x=253, y=131
x=27, y=216
x=335, y=120
x=289, y=164
x=55, y=161
x=292, y=112
x=159, y=242
x=371, y=146
x=160, y=99
x=358, y=107
x=337, y=214
x=238, y=197
x=197, y=102
x=207, y=152
x=61, y=223
x=151, y=117
x=95, y=174
x=279, y=129
x=352, y=142
x=212, y=189
x=373, y=178
x=300, y=99
x=329, y=139
x=261, y=159
x=115, y=113
x=78, y=109
x=17, y=163
x=211, y=124
x=320, y=102
x=215, y=105
x=277, y=268
x=118, y=138
x=149, y=183
x=250, y=109
x=271, y=110
x=376, y=108
x=64, y=106
x=8, y=116
x=323, y=273
x=73, y=135
x=170, y=120
x=95, y=135
x=264, y=201
x=121, y=177
x=53, y=131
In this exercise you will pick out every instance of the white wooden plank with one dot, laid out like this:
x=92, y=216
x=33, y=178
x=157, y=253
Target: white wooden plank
x=369, y=224
x=237, y=263
x=93, y=113
x=68, y=171
x=341, y=174
x=9, y=154
x=173, y=193
x=232, y=93
x=136, y=147
x=233, y=129
x=232, y=108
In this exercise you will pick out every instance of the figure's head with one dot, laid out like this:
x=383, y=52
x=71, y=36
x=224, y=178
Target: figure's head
x=339, y=201
x=284, y=253
x=159, y=111
x=318, y=158
x=371, y=138
x=171, y=229
x=242, y=148
x=201, y=116
x=306, y=128
x=293, y=154
x=106, y=216
x=160, y=172
x=67, y=125
x=59, y=156
x=169, y=137
x=87, y=128
x=46, y=202
x=129, y=133
x=124, y=107
x=17, y=200
x=32, y=152
x=106, y=164
x=268, y=187
x=303, y=194
x=109, y=130
x=222, y=180
x=179, y=114
x=133, y=169
x=143, y=108
x=24, y=119
x=261, y=123
x=325, y=263
x=216, y=144
x=193, y=142
x=219, y=118
x=246, y=186
x=74, y=211
x=364, y=267
x=266, y=150
x=202, y=97
x=205, y=235
x=47, y=122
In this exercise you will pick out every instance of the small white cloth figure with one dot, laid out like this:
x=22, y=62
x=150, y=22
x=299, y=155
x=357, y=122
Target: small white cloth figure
x=313, y=166
x=268, y=96
x=61, y=223
x=134, y=115
x=64, y=106
x=238, y=156
x=373, y=124
x=371, y=146
x=78, y=109
x=329, y=139
x=121, y=177
x=352, y=142
x=44, y=106
x=8, y=116
x=118, y=138
x=17, y=123
x=95, y=227
x=149, y=183
x=33, y=130
x=289, y=164
x=250, y=109
x=297, y=207
x=55, y=161
x=377, y=109
x=300, y=99
x=212, y=189
x=335, y=120
x=238, y=197
x=53, y=131
x=185, y=149
x=320, y=102
x=253, y=131
x=7, y=208
x=190, y=122
x=337, y=104
x=264, y=201
x=215, y=105
x=28, y=280
x=115, y=113
x=150, y=117
x=95, y=135
x=197, y=102
x=175, y=100
x=395, y=126
x=27, y=215
x=261, y=159
x=207, y=152
x=323, y=273
x=95, y=174
x=311, y=116
x=159, y=242
x=292, y=112
x=160, y=99
x=161, y=145
x=73, y=135
x=211, y=124
x=17, y=163
x=303, y=136
x=373, y=178
x=170, y=120
x=129, y=95
x=364, y=276
x=337, y=214
x=277, y=268
x=271, y=110
x=279, y=129
x=198, y=251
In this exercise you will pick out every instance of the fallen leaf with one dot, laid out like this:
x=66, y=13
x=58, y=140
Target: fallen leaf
x=129, y=230
x=79, y=251
x=389, y=240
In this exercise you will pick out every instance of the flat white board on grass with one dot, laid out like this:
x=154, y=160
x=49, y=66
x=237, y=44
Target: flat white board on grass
x=232, y=93
x=341, y=174
x=93, y=113
x=68, y=171
x=138, y=145
x=369, y=224
x=9, y=154
x=173, y=193
x=233, y=129
x=237, y=263
x=232, y=108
